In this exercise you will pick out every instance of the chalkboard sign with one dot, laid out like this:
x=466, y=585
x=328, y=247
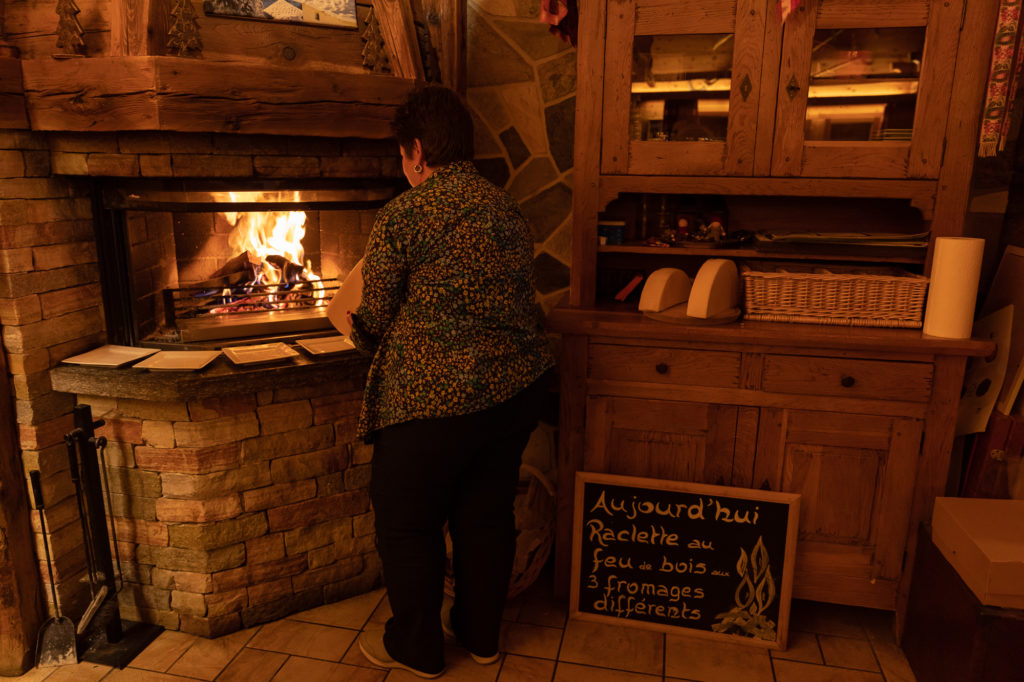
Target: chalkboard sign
x=712, y=561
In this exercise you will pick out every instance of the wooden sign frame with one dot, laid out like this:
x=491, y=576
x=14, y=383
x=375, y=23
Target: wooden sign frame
x=709, y=491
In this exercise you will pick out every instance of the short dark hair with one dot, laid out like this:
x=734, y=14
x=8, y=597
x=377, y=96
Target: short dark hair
x=436, y=116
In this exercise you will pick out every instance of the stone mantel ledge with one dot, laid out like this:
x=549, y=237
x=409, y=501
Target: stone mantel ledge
x=347, y=370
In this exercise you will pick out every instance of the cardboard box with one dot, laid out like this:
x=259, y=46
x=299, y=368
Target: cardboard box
x=983, y=539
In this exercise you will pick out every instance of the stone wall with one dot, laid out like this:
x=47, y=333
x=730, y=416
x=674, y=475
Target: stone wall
x=522, y=92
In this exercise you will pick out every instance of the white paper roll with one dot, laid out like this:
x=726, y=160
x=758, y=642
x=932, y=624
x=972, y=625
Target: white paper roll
x=953, y=287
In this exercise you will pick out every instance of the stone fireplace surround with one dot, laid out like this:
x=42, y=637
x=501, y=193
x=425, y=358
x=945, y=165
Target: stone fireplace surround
x=238, y=496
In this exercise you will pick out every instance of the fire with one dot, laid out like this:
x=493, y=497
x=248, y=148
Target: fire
x=272, y=243
x=269, y=233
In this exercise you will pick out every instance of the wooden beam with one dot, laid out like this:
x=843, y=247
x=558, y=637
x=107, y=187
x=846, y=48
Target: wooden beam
x=20, y=601
x=399, y=31
x=188, y=95
x=12, y=94
x=446, y=21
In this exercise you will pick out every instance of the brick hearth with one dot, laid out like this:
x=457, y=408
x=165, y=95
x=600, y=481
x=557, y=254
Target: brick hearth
x=238, y=509
x=232, y=509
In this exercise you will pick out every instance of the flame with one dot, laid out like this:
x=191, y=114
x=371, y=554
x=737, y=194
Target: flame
x=262, y=234
x=267, y=233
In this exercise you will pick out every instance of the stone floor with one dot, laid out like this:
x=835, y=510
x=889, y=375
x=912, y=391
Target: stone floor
x=826, y=643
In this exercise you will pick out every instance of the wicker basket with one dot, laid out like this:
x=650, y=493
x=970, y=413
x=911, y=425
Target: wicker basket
x=859, y=297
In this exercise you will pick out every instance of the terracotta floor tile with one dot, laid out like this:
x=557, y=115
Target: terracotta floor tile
x=826, y=619
x=253, y=665
x=33, y=675
x=459, y=667
x=543, y=610
x=354, y=656
x=82, y=672
x=713, y=661
x=612, y=646
x=350, y=613
x=525, y=669
x=843, y=652
x=206, y=658
x=801, y=646
x=795, y=671
x=530, y=640
x=161, y=654
x=893, y=662
x=878, y=625
x=138, y=675
x=299, y=669
x=573, y=672
x=382, y=612
x=304, y=639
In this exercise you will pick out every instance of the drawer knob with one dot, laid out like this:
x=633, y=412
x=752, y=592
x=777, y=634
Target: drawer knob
x=847, y=381
x=661, y=368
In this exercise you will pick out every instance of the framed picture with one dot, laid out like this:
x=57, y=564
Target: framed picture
x=337, y=13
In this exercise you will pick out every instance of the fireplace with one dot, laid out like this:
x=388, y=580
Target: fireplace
x=208, y=264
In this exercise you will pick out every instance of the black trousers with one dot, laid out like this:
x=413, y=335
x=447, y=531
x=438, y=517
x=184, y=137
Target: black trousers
x=463, y=470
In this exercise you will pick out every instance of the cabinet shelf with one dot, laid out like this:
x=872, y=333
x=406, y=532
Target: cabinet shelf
x=855, y=254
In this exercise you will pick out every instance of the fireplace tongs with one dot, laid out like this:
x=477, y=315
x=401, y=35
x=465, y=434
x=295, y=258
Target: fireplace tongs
x=88, y=468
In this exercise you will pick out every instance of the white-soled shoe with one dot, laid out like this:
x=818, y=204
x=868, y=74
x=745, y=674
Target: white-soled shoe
x=371, y=643
x=449, y=633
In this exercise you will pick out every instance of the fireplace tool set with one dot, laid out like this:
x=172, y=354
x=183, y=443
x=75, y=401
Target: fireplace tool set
x=100, y=631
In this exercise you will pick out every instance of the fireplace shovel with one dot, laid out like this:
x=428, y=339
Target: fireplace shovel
x=56, y=644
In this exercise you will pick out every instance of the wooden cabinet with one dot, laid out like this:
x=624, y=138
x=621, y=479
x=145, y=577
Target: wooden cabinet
x=855, y=474
x=864, y=88
x=671, y=39
x=845, y=89
x=859, y=424
x=672, y=440
x=854, y=115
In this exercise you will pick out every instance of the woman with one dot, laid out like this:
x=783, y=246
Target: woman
x=453, y=391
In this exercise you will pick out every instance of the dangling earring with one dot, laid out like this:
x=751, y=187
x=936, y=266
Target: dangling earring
x=417, y=169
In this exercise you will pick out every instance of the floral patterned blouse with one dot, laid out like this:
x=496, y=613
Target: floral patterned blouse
x=448, y=302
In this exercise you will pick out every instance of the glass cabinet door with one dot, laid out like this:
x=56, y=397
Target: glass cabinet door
x=864, y=88
x=682, y=86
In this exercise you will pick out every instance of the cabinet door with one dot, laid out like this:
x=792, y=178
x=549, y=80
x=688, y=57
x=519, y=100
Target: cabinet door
x=855, y=474
x=676, y=441
x=864, y=88
x=682, y=86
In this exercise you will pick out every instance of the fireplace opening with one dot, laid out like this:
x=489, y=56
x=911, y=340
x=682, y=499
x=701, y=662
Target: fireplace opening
x=209, y=264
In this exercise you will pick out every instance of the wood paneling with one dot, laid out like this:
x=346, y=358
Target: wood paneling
x=935, y=88
x=586, y=156
x=664, y=365
x=20, y=598
x=848, y=378
x=618, y=77
x=397, y=28
x=446, y=22
x=873, y=13
x=794, y=72
x=663, y=17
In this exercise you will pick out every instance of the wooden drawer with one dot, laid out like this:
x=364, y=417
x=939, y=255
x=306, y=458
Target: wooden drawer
x=911, y=381
x=664, y=365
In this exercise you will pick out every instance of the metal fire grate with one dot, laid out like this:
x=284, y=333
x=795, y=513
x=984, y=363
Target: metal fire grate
x=215, y=312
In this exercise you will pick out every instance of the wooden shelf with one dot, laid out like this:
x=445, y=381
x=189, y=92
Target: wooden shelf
x=910, y=259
